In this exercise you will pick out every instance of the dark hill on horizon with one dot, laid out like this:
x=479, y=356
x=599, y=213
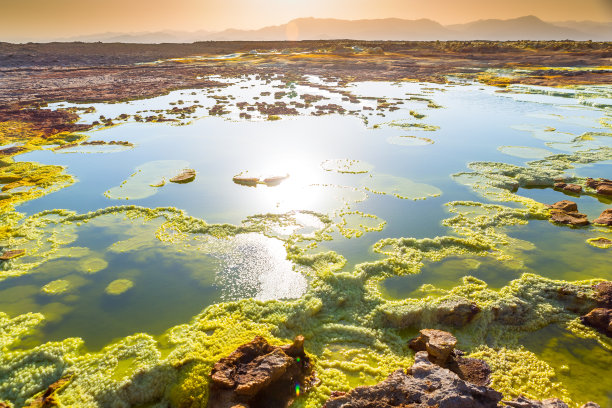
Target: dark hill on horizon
x=522, y=28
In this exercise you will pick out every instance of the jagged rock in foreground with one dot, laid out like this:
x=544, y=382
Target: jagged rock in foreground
x=258, y=374
x=440, y=348
x=437, y=343
x=424, y=385
x=523, y=402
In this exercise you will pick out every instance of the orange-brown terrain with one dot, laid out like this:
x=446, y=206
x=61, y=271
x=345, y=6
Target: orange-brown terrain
x=110, y=72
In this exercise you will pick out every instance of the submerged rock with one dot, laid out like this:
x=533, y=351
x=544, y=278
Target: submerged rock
x=605, y=218
x=258, y=374
x=423, y=385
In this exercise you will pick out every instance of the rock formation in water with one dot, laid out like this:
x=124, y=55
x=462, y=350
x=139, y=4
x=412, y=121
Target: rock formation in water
x=602, y=186
x=569, y=187
x=600, y=318
x=605, y=218
x=566, y=212
x=258, y=374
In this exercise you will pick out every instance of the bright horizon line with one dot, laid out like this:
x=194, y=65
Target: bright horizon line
x=305, y=18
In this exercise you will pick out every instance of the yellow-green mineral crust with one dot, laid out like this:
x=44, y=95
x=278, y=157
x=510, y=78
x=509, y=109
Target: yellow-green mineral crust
x=119, y=286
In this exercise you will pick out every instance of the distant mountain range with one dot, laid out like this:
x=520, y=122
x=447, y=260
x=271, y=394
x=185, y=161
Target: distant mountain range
x=522, y=28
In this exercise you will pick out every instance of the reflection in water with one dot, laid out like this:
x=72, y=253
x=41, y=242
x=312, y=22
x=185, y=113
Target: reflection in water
x=255, y=266
x=113, y=275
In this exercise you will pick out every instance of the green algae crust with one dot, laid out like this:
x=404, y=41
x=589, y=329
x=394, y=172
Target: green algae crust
x=353, y=334
x=118, y=286
x=56, y=287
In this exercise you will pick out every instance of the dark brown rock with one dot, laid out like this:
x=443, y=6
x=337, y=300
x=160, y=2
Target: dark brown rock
x=605, y=218
x=603, y=294
x=9, y=151
x=47, y=122
x=602, y=186
x=570, y=188
x=15, y=253
x=424, y=385
x=258, y=374
x=604, y=189
x=565, y=205
x=472, y=370
x=590, y=182
x=600, y=319
x=570, y=218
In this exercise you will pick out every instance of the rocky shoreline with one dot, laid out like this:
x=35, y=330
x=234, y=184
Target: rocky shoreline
x=260, y=375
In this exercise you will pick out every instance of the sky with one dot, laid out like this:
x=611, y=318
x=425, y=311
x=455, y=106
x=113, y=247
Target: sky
x=50, y=19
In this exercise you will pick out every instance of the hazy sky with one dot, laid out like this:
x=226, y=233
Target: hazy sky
x=47, y=19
